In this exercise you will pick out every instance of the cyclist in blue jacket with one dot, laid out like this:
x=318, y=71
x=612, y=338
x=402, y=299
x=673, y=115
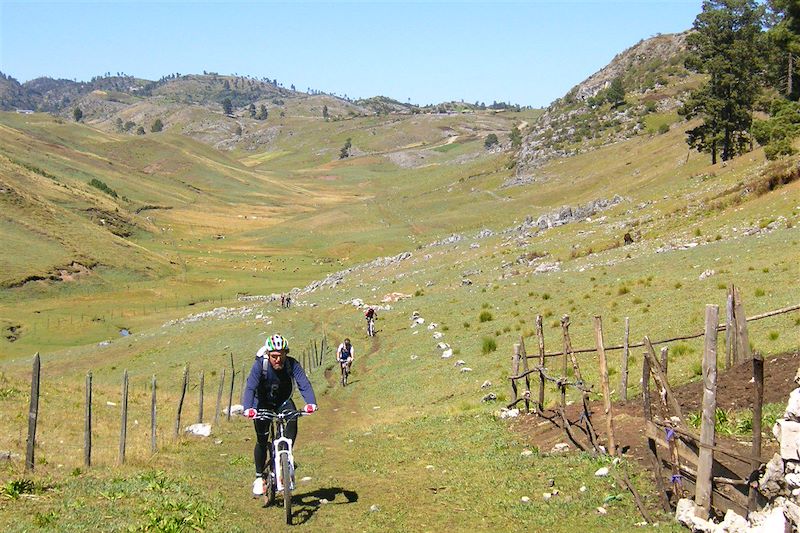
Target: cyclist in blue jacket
x=270, y=386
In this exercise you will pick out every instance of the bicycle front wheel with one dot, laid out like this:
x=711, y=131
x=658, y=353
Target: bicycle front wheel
x=287, y=487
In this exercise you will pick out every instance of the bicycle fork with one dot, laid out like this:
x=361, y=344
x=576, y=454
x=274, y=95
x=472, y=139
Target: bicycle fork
x=287, y=451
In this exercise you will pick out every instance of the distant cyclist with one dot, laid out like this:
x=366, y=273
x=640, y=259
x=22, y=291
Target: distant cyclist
x=270, y=386
x=371, y=315
x=344, y=354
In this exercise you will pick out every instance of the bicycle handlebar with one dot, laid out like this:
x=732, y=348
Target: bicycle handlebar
x=269, y=414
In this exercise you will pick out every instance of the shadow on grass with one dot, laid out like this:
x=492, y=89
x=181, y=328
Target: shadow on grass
x=308, y=503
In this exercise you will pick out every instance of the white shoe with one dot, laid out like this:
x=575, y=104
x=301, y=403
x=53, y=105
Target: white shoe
x=258, y=487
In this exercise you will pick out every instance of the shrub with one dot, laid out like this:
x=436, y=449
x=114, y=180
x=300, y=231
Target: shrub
x=759, y=292
x=623, y=290
x=97, y=184
x=488, y=345
x=773, y=335
x=485, y=316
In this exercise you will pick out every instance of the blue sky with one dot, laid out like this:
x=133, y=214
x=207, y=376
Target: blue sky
x=525, y=52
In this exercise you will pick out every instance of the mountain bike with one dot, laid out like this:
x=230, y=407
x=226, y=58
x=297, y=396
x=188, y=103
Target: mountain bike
x=281, y=461
x=371, y=327
x=345, y=372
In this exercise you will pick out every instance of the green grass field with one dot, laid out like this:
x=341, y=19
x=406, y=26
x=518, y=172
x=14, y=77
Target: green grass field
x=410, y=435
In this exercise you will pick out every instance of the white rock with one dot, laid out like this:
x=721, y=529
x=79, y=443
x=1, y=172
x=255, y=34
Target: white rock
x=429, y=467
x=235, y=409
x=374, y=508
x=305, y=479
x=465, y=369
x=546, y=496
x=561, y=447
x=792, y=480
x=419, y=320
x=323, y=501
x=460, y=362
x=734, y=523
x=525, y=499
x=793, y=407
x=707, y=274
x=526, y=453
x=583, y=488
x=442, y=345
x=447, y=353
x=486, y=384
x=602, y=510
x=768, y=521
x=601, y=472
x=438, y=334
x=788, y=434
x=509, y=413
x=685, y=512
x=201, y=430
x=414, y=357
x=432, y=325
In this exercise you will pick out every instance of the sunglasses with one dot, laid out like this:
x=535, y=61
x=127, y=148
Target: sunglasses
x=276, y=356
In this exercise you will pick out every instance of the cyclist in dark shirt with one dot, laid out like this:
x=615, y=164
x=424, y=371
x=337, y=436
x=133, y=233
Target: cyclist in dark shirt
x=270, y=386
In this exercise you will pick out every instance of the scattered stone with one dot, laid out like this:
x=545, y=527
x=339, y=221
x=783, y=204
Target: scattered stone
x=561, y=447
x=306, y=479
x=508, y=413
x=438, y=334
x=525, y=499
x=429, y=467
x=548, y=267
x=432, y=325
x=526, y=453
x=442, y=345
x=601, y=472
x=583, y=488
x=323, y=501
x=201, y=430
x=465, y=369
x=706, y=274
x=460, y=362
x=217, y=441
x=491, y=397
x=235, y=409
x=602, y=510
x=447, y=353
x=546, y=496
x=466, y=281
x=374, y=508
x=486, y=384
x=414, y=357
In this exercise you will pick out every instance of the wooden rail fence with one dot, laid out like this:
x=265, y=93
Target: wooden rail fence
x=720, y=476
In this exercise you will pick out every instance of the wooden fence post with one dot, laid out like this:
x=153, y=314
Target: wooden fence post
x=230, y=394
x=514, y=373
x=742, y=339
x=730, y=331
x=706, y=454
x=651, y=443
x=623, y=384
x=219, y=397
x=601, y=353
x=540, y=337
x=202, y=385
x=661, y=381
x=123, y=432
x=87, y=423
x=523, y=355
x=758, y=402
x=153, y=446
x=33, y=411
x=180, y=402
x=665, y=361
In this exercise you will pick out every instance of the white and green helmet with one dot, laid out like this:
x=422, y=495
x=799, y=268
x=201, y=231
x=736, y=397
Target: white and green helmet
x=276, y=343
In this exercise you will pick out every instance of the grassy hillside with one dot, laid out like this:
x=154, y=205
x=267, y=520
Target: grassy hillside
x=197, y=220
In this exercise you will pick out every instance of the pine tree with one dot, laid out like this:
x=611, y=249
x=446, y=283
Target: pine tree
x=724, y=45
x=227, y=106
x=77, y=114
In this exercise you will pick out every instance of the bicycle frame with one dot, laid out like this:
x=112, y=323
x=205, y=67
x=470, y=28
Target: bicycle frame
x=281, y=444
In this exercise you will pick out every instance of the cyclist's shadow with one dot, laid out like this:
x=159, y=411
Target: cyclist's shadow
x=310, y=502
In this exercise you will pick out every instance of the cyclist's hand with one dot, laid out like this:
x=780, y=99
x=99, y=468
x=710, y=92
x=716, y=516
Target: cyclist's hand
x=249, y=413
x=310, y=408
